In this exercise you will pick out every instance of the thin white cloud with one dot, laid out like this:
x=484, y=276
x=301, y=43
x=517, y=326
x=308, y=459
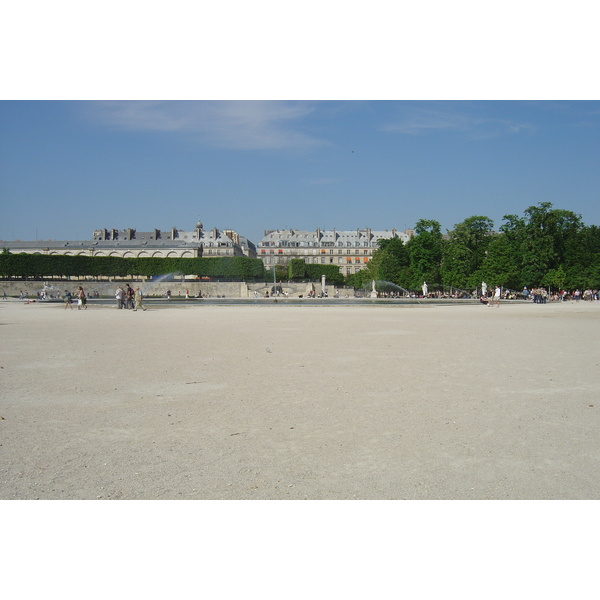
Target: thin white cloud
x=227, y=124
x=418, y=121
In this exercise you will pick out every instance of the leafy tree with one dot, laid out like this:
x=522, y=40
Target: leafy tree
x=539, y=242
x=499, y=266
x=360, y=280
x=425, y=254
x=555, y=278
x=465, y=251
x=582, y=258
x=296, y=269
x=281, y=273
x=396, y=248
x=394, y=261
x=331, y=272
x=455, y=269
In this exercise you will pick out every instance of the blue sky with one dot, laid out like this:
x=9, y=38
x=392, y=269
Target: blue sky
x=273, y=117
x=69, y=167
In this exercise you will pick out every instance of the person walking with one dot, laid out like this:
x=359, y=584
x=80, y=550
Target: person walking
x=128, y=296
x=496, y=298
x=119, y=296
x=81, y=299
x=68, y=300
x=139, y=296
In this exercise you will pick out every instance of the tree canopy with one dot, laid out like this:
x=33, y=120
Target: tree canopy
x=546, y=246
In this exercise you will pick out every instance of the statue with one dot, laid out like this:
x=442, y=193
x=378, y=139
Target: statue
x=424, y=288
x=373, y=291
x=483, y=288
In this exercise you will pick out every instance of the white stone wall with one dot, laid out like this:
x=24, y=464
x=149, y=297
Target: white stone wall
x=231, y=289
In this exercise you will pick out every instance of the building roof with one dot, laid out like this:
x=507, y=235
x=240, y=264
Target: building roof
x=333, y=235
x=60, y=244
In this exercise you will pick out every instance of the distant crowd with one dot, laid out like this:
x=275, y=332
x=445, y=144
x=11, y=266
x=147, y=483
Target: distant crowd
x=129, y=298
x=541, y=295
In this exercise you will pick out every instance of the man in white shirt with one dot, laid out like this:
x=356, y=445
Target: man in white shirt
x=496, y=298
x=119, y=297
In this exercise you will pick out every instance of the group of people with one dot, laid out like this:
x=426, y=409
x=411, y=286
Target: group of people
x=79, y=296
x=126, y=298
x=540, y=295
x=278, y=293
x=493, y=299
x=587, y=295
x=129, y=298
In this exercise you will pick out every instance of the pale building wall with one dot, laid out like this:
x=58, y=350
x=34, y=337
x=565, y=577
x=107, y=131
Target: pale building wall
x=350, y=251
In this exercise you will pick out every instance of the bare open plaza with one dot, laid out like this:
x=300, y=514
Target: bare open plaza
x=300, y=402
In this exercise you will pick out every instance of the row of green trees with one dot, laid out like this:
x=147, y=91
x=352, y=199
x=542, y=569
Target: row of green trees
x=546, y=246
x=38, y=266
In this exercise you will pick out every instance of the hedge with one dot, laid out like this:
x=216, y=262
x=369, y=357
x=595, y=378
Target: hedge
x=38, y=266
x=298, y=269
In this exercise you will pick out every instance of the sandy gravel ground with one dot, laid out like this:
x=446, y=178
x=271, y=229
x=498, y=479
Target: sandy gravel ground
x=300, y=402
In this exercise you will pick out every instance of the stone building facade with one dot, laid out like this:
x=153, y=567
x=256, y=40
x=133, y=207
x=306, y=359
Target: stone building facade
x=129, y=243
x=350, y=251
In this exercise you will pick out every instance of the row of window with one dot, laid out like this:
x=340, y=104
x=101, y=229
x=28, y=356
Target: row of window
x=280, y=251
x=348, y=270
x=322, y=260
x=286, y=244
x=209, y=252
